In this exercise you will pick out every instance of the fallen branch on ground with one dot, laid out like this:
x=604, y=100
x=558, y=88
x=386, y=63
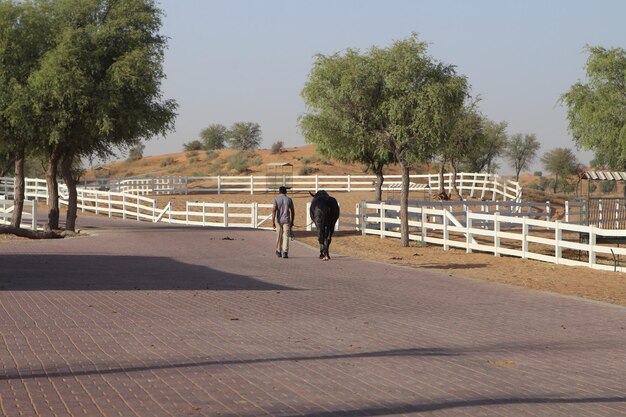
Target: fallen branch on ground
x=31, y=234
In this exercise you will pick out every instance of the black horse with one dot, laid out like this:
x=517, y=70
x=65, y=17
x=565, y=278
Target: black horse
x=324, y=213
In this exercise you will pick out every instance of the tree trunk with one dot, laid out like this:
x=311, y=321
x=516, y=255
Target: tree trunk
x=442, y=166
x=53, y=190
x=404, y=206
x=556, y=180
x=454, y=187
x=379, y=183
x=70, y=182
x=20, y=187
x=31, y=234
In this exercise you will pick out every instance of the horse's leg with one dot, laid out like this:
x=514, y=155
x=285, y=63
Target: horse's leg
x=328, y=240
x=320, y=239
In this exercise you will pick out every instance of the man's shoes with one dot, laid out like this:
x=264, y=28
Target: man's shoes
x=279, y=254
x=285, y=255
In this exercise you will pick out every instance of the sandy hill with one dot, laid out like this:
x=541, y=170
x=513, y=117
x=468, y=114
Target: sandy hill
x=305, y=161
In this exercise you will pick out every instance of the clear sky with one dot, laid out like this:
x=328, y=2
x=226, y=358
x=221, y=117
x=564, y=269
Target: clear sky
x=247, y=60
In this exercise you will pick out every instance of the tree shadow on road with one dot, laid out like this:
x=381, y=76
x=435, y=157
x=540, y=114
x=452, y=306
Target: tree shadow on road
x=95, y=272
x=480, y=402
x=227, y=362
x=451, y=266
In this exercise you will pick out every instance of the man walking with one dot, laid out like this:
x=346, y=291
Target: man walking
x=283, y=211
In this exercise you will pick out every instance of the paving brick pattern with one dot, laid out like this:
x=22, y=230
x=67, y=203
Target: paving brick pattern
x=154, y=320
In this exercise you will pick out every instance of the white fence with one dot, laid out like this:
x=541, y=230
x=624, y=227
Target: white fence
x=29, y=213
x=449, y=224
x=137, y=207
x=470, y=185
x=485, y=233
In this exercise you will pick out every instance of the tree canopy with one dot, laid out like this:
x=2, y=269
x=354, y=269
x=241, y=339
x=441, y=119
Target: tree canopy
x=521, y=151
x=491, y=144
x=343, y=96
x=398, y=99
x=245, y=136
x=596, y=110
x=561, y=162
x=214, y=137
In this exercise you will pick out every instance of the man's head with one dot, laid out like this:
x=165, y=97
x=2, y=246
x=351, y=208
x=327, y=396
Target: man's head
x=282, y=190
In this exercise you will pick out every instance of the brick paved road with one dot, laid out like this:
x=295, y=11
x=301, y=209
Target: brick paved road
x=152, y=320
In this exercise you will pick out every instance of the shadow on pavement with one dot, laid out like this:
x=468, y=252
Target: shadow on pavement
x=481, y=402
x=91, y=272
x=227, y=362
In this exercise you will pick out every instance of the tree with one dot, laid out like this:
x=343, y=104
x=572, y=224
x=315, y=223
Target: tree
x=596, y=110
x=135, y=153
x=399, y=101
x=278, y=147
x=521, y=151
x=481, y=157
x=24, y=38
x=421, y=100
x=214, y=137
x=194, y=145
x=98, y=86
x=245, y=136
x=465, y=136
x=561, y=162
x=343, y=96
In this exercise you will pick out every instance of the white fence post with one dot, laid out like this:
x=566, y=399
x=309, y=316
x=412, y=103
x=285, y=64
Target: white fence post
x=423, y=225
x=254, y=214
x=219, y=184
x=524, y=237
x=468, y=233
x=566, y=211
x=592, y=244
x=349, y=184
x=225, y=214
x=496, y=234
x=251, y=185
x=308, y=223
x=558, y=235
x=446, y=235
x=138, y=210
x=34, y=214
x=203, y=214
x=382, y=220
x=123, y=206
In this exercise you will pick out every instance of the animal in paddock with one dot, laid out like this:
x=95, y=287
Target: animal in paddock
x=324, y=213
